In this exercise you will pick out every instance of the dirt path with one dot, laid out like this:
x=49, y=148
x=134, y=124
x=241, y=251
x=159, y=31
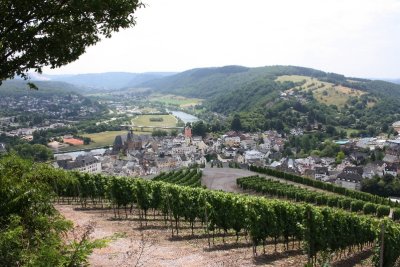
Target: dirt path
x=225, y=179
x=158, y=249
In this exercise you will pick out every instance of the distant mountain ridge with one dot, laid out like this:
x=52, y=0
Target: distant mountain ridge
x=397, y=81
x=105, y=81
x=20, y=87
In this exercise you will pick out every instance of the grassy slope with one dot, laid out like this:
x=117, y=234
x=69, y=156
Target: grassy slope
x=324, y=92
x=175, y=100
x=144, y=120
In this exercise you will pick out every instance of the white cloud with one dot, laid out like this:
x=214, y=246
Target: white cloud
x=353, y=37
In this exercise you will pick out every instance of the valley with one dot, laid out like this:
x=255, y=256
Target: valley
x=318, y=135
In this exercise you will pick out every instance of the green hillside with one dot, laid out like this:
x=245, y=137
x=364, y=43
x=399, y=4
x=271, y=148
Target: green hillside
x=282, y=97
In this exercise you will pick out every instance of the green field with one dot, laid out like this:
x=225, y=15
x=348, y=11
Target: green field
x=99, y=140
x=176, y=100
x=144, y=120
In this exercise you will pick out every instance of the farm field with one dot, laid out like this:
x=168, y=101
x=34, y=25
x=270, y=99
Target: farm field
x=144, y=120
x=176, y=100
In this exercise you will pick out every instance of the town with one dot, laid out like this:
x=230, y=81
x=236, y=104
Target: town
x=146, y=155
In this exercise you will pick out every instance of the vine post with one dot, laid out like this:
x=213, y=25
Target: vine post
x=382, y=247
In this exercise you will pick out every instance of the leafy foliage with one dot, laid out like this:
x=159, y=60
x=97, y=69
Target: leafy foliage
x=31, y=230
x=191, y=177
x=298, y=194
x=55, y=33
x=383, y=186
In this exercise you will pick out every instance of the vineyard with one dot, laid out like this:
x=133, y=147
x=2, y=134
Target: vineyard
x=319, y=230
x=322, y=233
x=325, y=186
x=191, y=178
x=277, y=189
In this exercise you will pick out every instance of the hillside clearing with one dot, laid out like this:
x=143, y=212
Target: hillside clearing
x=324, y=92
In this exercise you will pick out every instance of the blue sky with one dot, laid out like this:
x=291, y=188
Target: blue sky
x=358, y=38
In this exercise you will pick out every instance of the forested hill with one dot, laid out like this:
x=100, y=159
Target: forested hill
x=20, y=87
x=209, y=82
x=281, y=97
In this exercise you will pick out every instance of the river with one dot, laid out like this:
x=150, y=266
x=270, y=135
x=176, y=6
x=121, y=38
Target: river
x=185, y=117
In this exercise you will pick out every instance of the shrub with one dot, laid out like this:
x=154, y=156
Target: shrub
x=357, y=205
x=383, y=211
x=345, y=203
x=369, y=208
x=396, y=214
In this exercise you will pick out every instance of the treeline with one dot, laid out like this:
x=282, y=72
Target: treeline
x=25, y=149
x=386, y=186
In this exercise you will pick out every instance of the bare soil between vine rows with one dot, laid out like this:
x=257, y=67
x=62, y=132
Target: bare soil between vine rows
x=153, y=245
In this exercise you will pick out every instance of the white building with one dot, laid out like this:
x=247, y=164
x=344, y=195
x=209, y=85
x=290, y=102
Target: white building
x=253, y=155
x=89, y=164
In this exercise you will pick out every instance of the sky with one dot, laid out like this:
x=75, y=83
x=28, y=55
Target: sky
x=357, y=38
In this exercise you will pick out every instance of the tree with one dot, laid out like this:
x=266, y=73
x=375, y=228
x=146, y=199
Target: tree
x=236, y=124
x=53, y=33
x=340, y=157
x=159, y=133
x=199, y=128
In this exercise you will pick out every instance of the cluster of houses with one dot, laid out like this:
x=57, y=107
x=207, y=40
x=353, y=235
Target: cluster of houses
x=142, y=155
x=56, y=108
x=26, y=133
x=354, y=168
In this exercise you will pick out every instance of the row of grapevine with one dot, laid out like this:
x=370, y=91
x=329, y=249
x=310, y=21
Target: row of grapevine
x=278, y=189
x=325, y=186
x=319, y=229
x=186, y=177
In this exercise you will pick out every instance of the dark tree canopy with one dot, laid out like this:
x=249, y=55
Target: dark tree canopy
x=236, y=124
x=199, y=128
x=39, y=33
